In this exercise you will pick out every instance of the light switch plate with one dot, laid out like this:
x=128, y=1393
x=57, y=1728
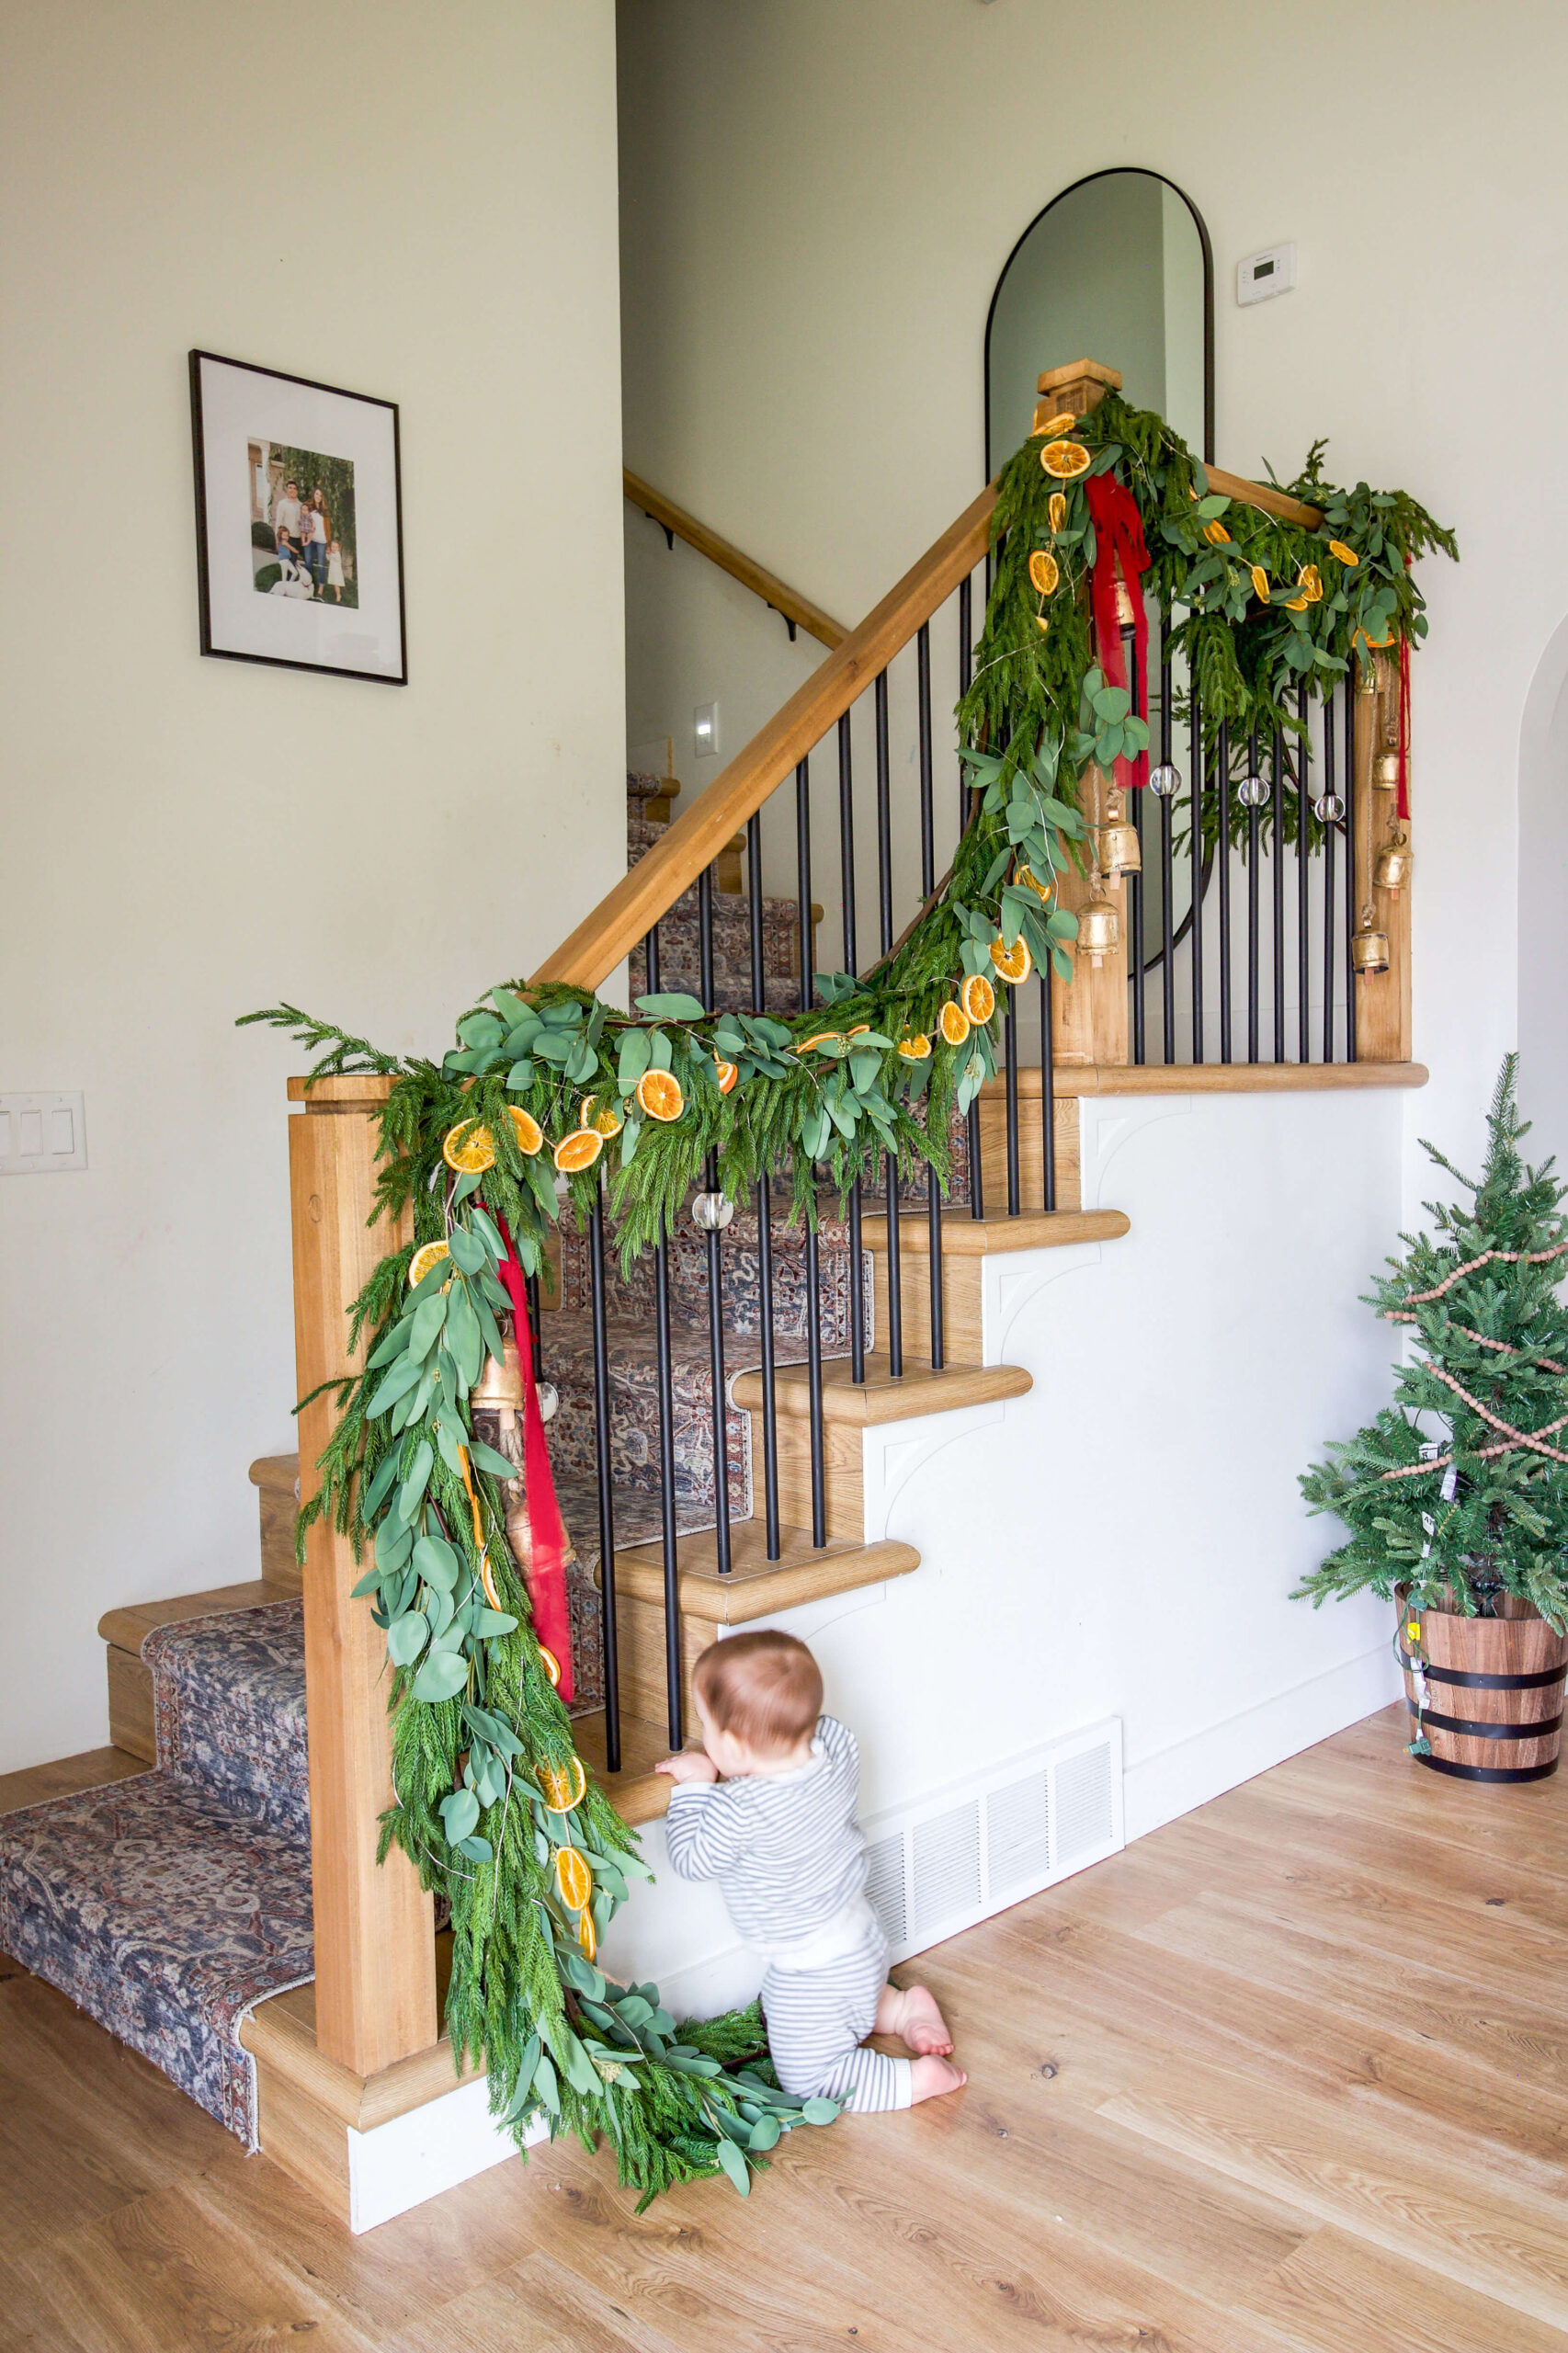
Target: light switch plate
x=41, y=1135
x=705, y=730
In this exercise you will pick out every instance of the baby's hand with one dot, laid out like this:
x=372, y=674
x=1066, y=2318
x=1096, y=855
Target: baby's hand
x=691, y=1765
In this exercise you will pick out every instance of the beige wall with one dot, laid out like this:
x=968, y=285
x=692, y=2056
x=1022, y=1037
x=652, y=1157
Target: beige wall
x=818, y=197
x=405, y=201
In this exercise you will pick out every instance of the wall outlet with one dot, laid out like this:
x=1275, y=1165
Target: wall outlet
x=42, y=1134
x=1263, y=275
x=705, y=730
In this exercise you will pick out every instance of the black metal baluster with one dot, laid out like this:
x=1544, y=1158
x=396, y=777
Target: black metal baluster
x=764, y=1216
x=1254, y=824
x=1277, y=879
x=928, y=881
x=803, y=877
x=667, y=1483
x=651, y=948
x=606, y=1483
x=1222, y=853
x=1010, y=1065
x=1195, y=840
x=705, y=936
x=713, y=1241
x=1328, y=786
x=813, y=1377
x=1167, y=923
x=1303, y=877
x=895, y=1285
x=851, y=964
x=857, y=1286
x=1135, y=882
x=536, y=1329
x=1048, y=1083
x=1352, y=911
x=884, y=814
x=966, y=673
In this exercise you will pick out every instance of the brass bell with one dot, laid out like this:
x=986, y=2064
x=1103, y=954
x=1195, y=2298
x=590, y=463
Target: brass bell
x=1116, y=845
x=1099, y=930
x=1126, y=610
x=499, y=1388
x=1393, y=862
x=1370, y=948
x=1385, y=771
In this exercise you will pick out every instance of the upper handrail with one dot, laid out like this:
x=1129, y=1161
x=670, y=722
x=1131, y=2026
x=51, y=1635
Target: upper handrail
x=629, y=911
x=798, y=610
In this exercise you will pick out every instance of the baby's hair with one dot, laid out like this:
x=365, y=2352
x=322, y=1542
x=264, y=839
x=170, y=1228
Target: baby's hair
x=764, y=1689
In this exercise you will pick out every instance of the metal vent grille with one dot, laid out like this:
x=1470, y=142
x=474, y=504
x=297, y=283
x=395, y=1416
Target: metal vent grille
x=884, y=1887
x=947, y=1865
x=1017, y=1833
x=1085, y=1815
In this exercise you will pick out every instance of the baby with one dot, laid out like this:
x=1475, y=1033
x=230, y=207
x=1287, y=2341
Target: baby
x=769, y=1813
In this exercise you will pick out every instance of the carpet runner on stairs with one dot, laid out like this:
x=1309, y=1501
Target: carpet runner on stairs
x=168, y=1906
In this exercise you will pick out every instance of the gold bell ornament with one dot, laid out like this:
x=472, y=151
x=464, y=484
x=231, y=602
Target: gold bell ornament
x=1116, y=843
x=499, y=1388
x=1391, y=868
x=1385, y=771
x=1126, y=610
x=1370, y=947
x=1099, y=929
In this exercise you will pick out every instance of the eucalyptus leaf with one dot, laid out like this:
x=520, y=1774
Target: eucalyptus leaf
x=436, y=1561
x=442, y=1676
x=412, y=1493
x=460, y=1814
x=735, y=2165
x=672, y=1004
x=407, y=1637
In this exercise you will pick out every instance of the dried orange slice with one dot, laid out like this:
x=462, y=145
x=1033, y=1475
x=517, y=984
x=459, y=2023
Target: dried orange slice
x=818, y=1038
x=563, y=1785
x=487, y=1579
x=1057, y=510
x=527, y=1129
x=728, y=1073
x=578, y=1151
x=1308, y=580
x=1260, y=584
x=574, y=1878
x=470, y=1148
x=1042, y=624
x=658, y=1091
x=978, y=999
x=607, y=1122
x=423, y=1260
x=1044, y=571
x=588, y=1936
x=1345, y=555
x=1062, y=421
x=857, y=1030
x=1014, y=963
x=1374, y=645
x=954, y=1023
x=1026, y=875
x=1065, y=460
x=1216, y=535
x=549, y=1663
x=916, y=1049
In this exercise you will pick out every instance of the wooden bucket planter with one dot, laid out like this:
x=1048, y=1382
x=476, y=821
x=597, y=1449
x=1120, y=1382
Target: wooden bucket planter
x=1494, y=1696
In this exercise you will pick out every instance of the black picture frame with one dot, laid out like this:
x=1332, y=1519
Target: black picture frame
x=255, y=653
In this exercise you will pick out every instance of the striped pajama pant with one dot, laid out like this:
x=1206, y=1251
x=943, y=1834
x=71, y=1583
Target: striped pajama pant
x=816, y=2018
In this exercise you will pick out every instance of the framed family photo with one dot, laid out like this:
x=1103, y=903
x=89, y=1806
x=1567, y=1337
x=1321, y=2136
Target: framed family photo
x=298, y=522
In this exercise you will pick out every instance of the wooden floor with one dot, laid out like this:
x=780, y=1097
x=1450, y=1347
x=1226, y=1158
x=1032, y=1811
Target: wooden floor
x=1293, y=2073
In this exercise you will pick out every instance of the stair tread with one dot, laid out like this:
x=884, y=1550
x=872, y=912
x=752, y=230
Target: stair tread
x=637, y=1793
x=756, y=1586
x=983, y=1237
x=91, y=1768
x=881, y=1397
x=128, y=1625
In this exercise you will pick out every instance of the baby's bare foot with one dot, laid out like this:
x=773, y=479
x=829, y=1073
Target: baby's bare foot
x=913, y=2016
x=931, y=2076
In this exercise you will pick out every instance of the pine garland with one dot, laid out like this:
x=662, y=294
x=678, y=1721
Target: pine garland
x=493, y=1805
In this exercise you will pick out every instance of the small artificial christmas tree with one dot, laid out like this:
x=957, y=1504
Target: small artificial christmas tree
x=1484, y=1510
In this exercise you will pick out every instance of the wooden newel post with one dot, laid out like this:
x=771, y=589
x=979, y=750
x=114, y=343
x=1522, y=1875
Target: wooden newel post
x=374, y=1926
x=1090, y=1015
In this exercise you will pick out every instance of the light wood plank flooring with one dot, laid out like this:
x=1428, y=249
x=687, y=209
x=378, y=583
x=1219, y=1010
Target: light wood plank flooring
x=1292, y=2072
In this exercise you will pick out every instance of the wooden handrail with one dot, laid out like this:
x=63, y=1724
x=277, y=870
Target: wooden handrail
x=651, y=888
x=798, y=610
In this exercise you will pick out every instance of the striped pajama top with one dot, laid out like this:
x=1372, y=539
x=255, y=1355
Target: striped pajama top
x=785, y=1848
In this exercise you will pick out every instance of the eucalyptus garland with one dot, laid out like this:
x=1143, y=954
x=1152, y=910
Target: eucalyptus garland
x=513, y=1126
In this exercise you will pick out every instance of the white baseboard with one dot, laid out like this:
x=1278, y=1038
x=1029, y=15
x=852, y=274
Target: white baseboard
x=1159, y=1788
x=413, y=2157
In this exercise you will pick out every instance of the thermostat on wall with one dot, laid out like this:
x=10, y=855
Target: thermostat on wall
x=1273, y=271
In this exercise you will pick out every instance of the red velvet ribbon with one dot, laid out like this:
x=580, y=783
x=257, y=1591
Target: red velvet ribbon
x=1118, y=543
x=545, y=1575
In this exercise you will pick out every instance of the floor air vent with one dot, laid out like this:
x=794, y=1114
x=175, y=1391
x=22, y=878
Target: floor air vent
x=971, y=1849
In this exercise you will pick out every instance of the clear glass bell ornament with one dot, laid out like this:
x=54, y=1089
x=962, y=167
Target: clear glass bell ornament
x=1328, y=809
x=1165, y=782
x=1252, y=791
x=548, y=1401
x=712, y=1212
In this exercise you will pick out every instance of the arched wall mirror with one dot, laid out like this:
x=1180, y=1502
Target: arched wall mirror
x=1117, y=269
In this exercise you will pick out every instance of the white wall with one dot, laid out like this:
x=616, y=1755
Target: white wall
x=1544, y=907
x=413, y=202
x=818, y=200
